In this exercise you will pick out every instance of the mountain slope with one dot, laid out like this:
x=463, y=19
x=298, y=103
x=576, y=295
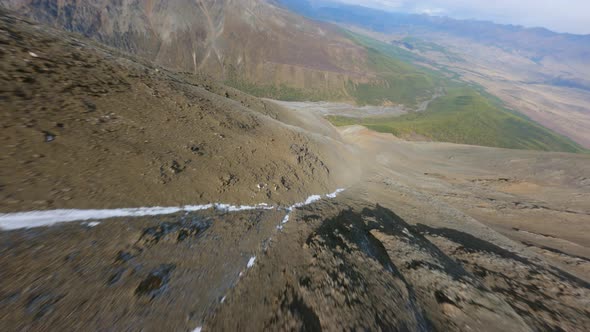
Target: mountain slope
x=247, y=43
x=88, y=127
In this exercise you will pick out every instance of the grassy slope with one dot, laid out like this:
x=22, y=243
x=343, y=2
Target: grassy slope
x=426, y=46
x=464, y=116
x=283, y=92
x=398, y=82
x=279, y=91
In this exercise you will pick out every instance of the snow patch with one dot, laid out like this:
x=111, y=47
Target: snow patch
x=10, y=221
x=311, y=199
x=93, y=224
x=407, y=232
x=286, y=219
x=334, y=194
x=198, y=329
x=235, y=208
x=251, y=261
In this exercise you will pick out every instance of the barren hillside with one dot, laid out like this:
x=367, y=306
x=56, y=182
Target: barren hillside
x=249, y=43
x=85, y=126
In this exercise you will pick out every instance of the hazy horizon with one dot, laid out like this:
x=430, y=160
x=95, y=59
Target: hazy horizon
x=567, y=16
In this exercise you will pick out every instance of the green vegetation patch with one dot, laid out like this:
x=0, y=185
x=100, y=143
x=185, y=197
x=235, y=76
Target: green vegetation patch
x=397, y=82
x=421, y=45
x=465, y=116
x=284, y=92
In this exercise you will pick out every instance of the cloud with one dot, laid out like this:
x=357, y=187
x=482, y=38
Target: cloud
x=559, y=15
x=431, y=11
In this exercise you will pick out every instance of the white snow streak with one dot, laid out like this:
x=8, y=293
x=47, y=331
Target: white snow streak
x=334, y=194
x=309, y=200
x=31, y=219
x=234, y=208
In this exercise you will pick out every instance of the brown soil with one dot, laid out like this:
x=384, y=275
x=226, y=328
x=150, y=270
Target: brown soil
x=365, y=267
x=162, y=273
x=86, y=127
x=337, y=265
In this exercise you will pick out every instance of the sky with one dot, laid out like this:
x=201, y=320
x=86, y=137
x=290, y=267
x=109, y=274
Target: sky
x=571, y=16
